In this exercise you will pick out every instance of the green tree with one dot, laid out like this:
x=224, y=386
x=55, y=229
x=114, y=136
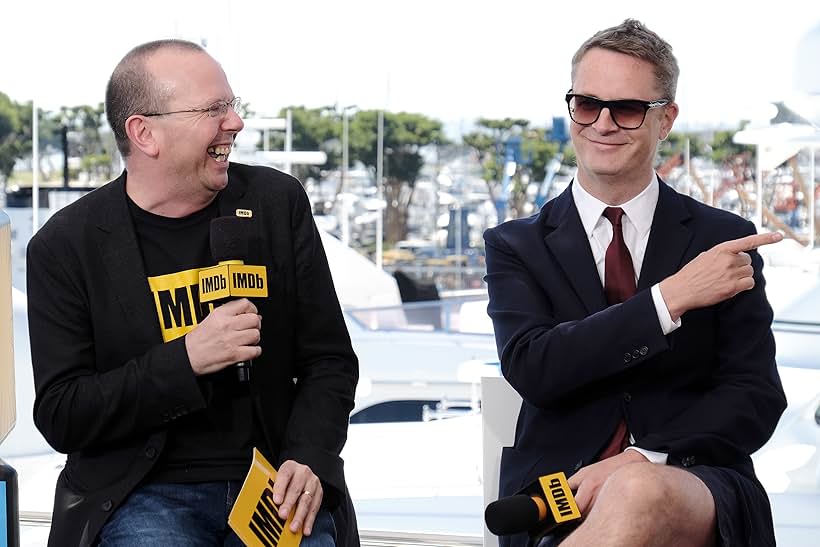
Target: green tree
x=675, y=144
x=405, y=134
x=83, y=124
x=726, y=151
x=489, y=142
x=48, y=135
x=311, y=129
x=485, y=148
x=10, y=135
x=84, y=139
x=15, y=133
x=569, y=158
x=538, y=150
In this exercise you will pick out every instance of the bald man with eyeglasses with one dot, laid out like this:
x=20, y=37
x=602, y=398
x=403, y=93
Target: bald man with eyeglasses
x=134, y=371
x=634, y=323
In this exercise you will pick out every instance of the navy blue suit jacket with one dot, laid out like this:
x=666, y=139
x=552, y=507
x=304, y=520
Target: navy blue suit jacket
x=706, y=394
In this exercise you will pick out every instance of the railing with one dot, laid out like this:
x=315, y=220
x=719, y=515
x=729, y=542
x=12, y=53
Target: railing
x=462, y=314
x=35, y=518
x=457, y=276
x=785, y=325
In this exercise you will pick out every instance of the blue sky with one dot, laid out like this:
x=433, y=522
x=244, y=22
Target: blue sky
x=451, y=59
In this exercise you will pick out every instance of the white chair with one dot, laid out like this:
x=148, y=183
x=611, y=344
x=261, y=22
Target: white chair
x=500, y=405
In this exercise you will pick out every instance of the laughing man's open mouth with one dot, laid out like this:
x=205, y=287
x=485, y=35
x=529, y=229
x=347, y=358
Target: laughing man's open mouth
x=219, y=153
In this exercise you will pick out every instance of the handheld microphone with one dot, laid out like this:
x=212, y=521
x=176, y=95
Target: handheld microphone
x=539, y=508
x=232, y=278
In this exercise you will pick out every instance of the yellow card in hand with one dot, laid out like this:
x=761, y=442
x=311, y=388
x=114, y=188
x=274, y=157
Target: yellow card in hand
x=254, y=516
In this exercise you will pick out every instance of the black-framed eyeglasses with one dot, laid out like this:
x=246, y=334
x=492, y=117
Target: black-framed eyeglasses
x=626, y=113
x=216, y=110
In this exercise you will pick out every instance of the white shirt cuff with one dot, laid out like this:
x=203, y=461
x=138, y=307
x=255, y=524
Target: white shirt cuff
x=654, y=457
x=667, y=325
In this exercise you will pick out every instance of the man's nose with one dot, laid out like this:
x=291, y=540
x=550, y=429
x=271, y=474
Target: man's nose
x=605, y=123
x=232, y=121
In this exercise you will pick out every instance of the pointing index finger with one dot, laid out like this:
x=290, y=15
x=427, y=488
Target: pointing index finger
x=751, y=242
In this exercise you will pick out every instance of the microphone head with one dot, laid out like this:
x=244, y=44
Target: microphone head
x=229, y=238
x=512, y=515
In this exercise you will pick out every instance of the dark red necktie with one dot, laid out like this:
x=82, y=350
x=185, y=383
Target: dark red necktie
x=619, y=274
x=619, y=284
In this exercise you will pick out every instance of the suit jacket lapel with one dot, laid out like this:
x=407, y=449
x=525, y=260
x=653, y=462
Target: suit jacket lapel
x=570, y=245
x=123, y=263
x=231, y=197
x=234, y=197
x=668, y=239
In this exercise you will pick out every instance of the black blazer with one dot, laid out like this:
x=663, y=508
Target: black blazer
x=707, y=393
x=107, y=386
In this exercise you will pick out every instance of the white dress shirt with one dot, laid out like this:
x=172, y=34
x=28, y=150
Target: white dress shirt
x=636, y=224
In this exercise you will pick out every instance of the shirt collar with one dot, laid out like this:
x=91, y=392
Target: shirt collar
x=639, y=210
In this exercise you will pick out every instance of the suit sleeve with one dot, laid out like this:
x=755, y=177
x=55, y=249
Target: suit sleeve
x=326, y=364
x=547, y=360
x=738, y=411
x=78, y=405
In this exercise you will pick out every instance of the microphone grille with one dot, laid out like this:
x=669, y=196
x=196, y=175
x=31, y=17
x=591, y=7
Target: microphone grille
x=229, y=238
x=511, y=515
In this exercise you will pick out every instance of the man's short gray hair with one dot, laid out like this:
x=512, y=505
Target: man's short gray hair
x=133, y=90
x=633, y=38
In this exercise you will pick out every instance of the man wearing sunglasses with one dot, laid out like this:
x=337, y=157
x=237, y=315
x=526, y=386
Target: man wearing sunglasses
x=634, y=323
x=135, y=376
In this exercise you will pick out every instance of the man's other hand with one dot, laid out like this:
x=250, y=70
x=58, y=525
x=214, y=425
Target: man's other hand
x=714, y=275
x=297, y=486
x=587, y=482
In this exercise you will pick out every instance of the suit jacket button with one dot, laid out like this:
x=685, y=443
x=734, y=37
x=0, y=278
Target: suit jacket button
x=635, y=354
x=579, y=465
x=627, y=397
x=150, y=452
x=627, y=357
x=107, y=505
x=644, y=350
x=688, y=461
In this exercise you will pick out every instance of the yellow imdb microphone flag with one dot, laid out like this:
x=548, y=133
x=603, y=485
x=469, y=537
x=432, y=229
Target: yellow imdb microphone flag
x=232, y=279
x=559, y=497
x=254, y=516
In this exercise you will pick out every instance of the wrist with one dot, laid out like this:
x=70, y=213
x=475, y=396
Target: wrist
x=191, y=357
x=635, y=455
x=669, y=296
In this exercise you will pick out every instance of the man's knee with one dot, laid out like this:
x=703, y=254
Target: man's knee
x=655, y=501
x=636, y=487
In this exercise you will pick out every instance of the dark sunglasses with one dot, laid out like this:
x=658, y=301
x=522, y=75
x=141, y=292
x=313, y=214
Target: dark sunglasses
x=626, y=113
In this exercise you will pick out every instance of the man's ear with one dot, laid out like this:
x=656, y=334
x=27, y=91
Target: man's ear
x=670, y=114
x=140, y=131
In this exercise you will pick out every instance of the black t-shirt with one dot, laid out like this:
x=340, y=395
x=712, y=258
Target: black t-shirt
x=215, y=443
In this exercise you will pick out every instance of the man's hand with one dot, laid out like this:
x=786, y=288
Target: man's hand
x=714, y=275
x=228, y=335
x=587, y=482
x=296, y=485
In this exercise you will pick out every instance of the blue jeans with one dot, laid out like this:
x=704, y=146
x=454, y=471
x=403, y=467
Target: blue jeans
x=189, y=515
